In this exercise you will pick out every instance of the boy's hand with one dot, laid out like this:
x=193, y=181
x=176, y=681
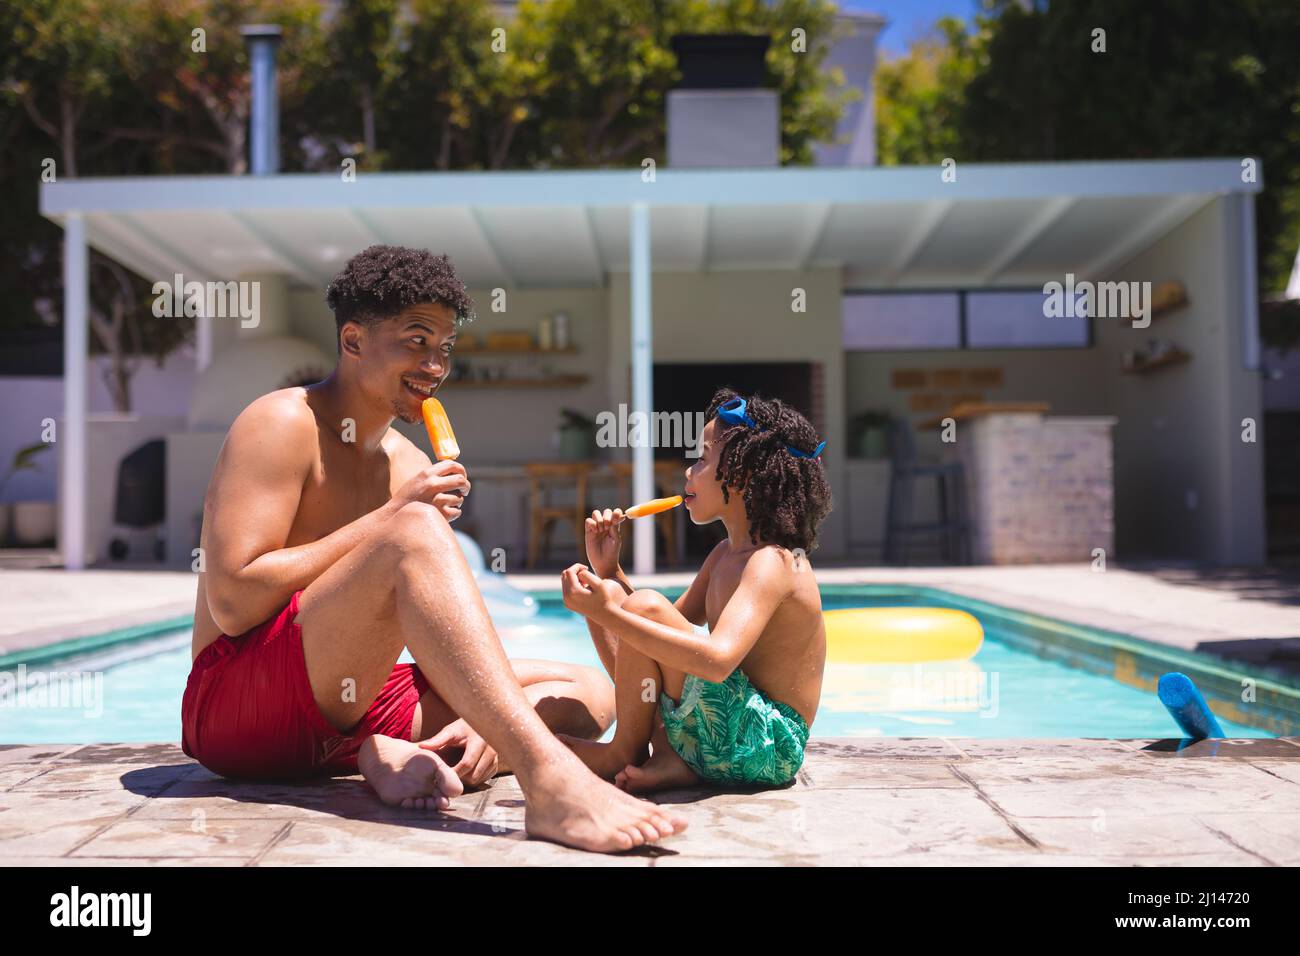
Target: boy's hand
x=587, y=594
x=604, y=540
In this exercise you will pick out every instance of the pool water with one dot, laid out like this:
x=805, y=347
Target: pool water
x=135, y=693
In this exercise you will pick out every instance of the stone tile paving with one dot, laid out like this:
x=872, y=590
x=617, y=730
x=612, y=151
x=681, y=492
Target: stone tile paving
x=859, y=801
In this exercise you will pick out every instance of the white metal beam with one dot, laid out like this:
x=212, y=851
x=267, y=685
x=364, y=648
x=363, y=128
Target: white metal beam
x=1175, y=212
x=1038, y=224
x=706, y=232
x=926, y=226
x=821, y=215
x=494, y=255
x=296, y=266
x=367, y=226
x=643, y=532
x=72, y=437
x=602, y=266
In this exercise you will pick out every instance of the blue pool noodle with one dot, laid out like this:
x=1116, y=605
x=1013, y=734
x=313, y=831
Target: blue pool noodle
x=1187, y=706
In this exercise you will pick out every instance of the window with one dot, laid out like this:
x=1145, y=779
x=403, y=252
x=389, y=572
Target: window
x=1012, y=320
x=894, y=322
x=983, y=319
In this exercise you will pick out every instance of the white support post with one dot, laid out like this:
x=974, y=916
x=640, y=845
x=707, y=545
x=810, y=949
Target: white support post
x=202, y=342
x=643, y=532
x=72, y=436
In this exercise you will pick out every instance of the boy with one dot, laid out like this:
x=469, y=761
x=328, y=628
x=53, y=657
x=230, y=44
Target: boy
x=737, y=703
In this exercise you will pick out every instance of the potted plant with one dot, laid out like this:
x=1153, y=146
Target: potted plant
x=26, y=520
x=869, y=434
x=576, y=436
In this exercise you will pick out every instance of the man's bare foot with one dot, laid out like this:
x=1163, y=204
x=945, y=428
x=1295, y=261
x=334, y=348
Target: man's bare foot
x=604, y=760
x=665, y=770
x=568, y=804
x=407, y=775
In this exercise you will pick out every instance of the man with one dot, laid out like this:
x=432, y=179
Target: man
x=328, y=548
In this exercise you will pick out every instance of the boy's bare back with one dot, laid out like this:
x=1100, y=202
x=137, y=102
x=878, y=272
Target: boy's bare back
x=788, y=660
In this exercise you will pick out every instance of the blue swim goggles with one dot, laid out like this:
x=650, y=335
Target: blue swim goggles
x=733, y=413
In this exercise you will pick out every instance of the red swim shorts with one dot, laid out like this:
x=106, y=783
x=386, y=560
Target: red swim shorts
x=249, y=711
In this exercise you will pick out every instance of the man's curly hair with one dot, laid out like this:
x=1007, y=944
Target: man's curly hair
x=786, y=497
x=379, y=282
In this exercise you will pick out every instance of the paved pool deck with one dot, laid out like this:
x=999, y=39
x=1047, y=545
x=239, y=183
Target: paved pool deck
x=857, y=801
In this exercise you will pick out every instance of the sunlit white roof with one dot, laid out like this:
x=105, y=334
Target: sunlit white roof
x=995, y=225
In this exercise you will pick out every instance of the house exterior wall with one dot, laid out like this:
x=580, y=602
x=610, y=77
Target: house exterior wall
x=745, y=317
x=28, y=400
x=1187, y=486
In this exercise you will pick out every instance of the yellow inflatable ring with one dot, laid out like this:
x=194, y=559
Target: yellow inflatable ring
x=900, y=635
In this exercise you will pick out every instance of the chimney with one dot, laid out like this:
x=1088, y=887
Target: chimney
x=264, y=118
x=854, y=52
x=720, y=114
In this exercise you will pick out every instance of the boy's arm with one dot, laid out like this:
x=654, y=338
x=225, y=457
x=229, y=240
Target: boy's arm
x=691, y=604
x=764, y=584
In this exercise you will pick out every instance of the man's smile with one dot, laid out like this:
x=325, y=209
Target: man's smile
x=419, y=387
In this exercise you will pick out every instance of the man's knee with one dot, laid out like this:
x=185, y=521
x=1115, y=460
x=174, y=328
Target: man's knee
x=419, y=527
x=585, y=705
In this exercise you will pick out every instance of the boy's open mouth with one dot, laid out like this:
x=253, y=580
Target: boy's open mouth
x=687, y=497
x=419, y=388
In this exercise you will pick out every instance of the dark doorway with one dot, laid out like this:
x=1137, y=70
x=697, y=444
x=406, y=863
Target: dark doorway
x=688, y=388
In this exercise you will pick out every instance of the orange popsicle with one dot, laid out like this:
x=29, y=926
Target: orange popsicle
x=653, y=507
x=439, y=427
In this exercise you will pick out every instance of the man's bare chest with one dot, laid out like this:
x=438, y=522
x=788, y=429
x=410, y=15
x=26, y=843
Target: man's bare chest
x=336, y=494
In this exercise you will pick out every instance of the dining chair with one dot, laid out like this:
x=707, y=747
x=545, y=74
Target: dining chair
x=548, y=483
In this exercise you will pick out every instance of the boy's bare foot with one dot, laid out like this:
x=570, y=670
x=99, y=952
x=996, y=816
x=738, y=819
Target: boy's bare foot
x=604, y=760
x=664, y=770
x=407, y=775
x=567, y=804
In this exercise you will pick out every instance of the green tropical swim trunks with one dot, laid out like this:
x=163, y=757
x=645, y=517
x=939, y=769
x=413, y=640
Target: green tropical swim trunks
x=732, y=733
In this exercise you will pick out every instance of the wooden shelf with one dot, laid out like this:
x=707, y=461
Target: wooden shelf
x=1173, y=357
x=571, y=350
x=554, y=381
x=1172, y=297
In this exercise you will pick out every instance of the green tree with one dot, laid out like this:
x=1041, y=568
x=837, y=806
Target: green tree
x=1175, y=80
x=920, y=96
x=452, y=102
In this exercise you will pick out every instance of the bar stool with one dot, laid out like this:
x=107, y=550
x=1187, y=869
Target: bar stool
x=544, y=478
x=668, y=480
x=950, y=479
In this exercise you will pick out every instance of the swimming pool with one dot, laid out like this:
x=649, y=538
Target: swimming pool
x=1032, y=678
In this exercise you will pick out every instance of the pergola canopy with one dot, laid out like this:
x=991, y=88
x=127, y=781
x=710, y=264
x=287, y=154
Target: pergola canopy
x=994, y=225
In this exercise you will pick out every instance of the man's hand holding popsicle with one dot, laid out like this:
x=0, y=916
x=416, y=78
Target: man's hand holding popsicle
x=603, y=540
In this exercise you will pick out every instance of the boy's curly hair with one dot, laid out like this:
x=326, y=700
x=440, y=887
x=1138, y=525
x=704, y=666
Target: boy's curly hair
x=786, y=497
x=381, y=281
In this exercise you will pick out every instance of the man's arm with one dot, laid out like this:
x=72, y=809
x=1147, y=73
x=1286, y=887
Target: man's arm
x=764, y=584
x=251, y=504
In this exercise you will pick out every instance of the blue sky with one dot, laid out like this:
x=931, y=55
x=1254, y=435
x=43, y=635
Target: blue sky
x=909, y=18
